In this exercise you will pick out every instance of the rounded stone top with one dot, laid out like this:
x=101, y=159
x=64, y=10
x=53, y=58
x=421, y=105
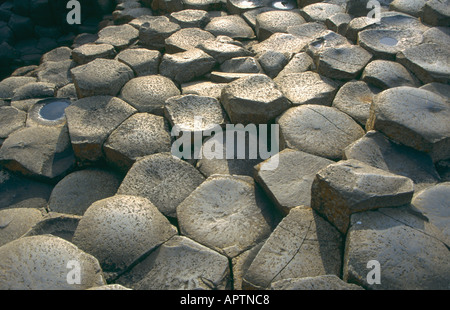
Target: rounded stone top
x=44, y=263
x=120, y=229
x=149, y=93
x=226, y=213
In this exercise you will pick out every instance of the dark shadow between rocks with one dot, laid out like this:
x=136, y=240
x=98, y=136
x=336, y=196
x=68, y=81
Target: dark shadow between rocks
x=323, y=239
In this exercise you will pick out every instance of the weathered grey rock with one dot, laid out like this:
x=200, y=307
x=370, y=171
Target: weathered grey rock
x=130, y=4
x=129, y=14
x=140, y=135
x=16, y=222
x=437, y=13
x=186, y=39
x=357, y=25
x=324, y=41
x=241, y=263
x=302, y=245
x=427, y=61
x=110, y=287
x=326, y=282
x=56, y=72
x=184, y=67
x=319, y=12
x=273, y=62
x=91, y=120
x=203, y=88
x=141, y=60
x=361, y=7
x=254, y=99
x=89, y=52
x=413, y=117
x=79, y=189
x=141, y=20
x=227, y=77
x=163, y=179
x=223, y=50
x=299, y=63
x=350, y=186
x=232, y=26
x=388, y=74
x=121, y=229
x=34, y=90
x=437, y=35
x=414, y=218
x=439, y=89
x=386, y=43
x=338, y=22
x=101, y=77
x=194, y=114
x=40, y=152
x=27, y=71
x=268, y=23
x=343, y=63
x=69, y=91
x=330, y=129
x=19, y=192
x=41, y=263
x=149, y=93
x=409, y=258
x=307, y=88
x=9, y=85
x=289, y=185
x=119, y=36
x=241, y=65
x=62, y=53
x=399, y=21
x=180, y=264
x=376, y=150
x=154, y=33
x=432, y=203
x=84, y=38
x=190, y=18
x=354, y=98
x=230, y=222
x=282, y=43
x=250, y=15
x=11, y=119
x=56, y=224
x=221, y=153
x=308, y=31
x=411, y=7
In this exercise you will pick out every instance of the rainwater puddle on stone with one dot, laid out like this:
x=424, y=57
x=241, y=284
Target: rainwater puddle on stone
x=388, y=41
x=283, y=5
x=54, y=110
x=250, y=4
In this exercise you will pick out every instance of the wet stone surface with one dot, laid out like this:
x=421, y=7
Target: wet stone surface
x=225, y=144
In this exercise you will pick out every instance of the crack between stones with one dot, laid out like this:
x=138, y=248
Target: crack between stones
x=330, y=121
x=420, y=231
x=296, y=252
